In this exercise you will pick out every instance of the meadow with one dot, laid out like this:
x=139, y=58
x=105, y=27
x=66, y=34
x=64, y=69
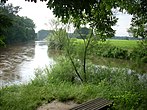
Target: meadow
x=125, y=44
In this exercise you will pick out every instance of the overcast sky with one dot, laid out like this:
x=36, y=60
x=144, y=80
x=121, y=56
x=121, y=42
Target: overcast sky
x=41, y=16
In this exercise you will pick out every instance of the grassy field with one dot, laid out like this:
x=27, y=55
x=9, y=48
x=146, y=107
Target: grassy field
x=127, y=44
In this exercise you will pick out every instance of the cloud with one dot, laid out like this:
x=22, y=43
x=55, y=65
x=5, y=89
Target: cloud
x=123, y=24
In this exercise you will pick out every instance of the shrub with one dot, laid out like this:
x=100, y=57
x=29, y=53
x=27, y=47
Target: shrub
x=107, y=50
x=57, y=40
x=62, y=71
x=140, y=53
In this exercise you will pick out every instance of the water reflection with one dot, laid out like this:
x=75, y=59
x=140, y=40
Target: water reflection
x=41, y=58
x=18, y=62
x=120, y=63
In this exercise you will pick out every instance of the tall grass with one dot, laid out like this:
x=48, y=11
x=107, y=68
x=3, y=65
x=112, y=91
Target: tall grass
x=125, y=44
x=126, y=90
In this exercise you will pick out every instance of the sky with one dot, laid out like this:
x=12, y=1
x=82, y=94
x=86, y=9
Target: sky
x=41, y=15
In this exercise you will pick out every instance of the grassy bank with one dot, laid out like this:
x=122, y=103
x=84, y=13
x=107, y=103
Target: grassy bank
x=121, y=49
x=126, y=90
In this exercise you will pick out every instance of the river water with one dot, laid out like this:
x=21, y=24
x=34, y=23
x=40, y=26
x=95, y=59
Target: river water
x=19, y=62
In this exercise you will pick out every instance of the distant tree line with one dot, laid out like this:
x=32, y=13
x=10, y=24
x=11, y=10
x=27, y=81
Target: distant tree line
x=125, y=38
x=14, y=28
x=42, y=34
x=80, y=33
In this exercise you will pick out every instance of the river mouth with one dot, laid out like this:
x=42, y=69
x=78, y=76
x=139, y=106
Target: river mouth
x=18, y=62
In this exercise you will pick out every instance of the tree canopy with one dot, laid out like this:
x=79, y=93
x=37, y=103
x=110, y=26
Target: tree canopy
x=81, y=32
x=14, y=28
x=99, y=14
x=42, y=34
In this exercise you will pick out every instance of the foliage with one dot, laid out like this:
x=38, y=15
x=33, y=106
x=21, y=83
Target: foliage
x=81, y=32
x=57, y=39
x=64, y=69
x=100, y=14
x=60, y=40
x=140, y=52
x=108, y=50
x=21, y=31
x=5, y=22
x=139, y=21
x=42, y=34
x=13, y=27
x=97, y=13
x=122, y=49
x=110, y=83
x=2, y=44
x=138, y=28
x=75, y=50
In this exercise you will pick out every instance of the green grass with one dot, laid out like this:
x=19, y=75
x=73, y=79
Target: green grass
x=126, y=44
x=127, y=92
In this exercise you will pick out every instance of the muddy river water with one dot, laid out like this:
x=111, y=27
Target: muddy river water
x=19, y=62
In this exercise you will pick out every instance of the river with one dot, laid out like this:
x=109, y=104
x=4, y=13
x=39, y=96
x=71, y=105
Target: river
x=19, y=62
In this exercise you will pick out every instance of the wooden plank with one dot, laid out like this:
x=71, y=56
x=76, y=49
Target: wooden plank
x=96, y=104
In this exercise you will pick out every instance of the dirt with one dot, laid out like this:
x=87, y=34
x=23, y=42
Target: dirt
x=56, y=105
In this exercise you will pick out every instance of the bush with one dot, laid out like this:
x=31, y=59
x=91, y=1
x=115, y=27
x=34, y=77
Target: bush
x=140, y=53
x=107, y=50
x=57, y=40
x=62, y=71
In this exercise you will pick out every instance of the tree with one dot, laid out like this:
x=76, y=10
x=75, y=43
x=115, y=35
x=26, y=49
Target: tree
x=14, y=28
x=82, y=32
x=42, y=34
x=138, y=28
x=139, y=21
x=60, y=40
x=5, y=22
x=57, y=37
x=22, y=30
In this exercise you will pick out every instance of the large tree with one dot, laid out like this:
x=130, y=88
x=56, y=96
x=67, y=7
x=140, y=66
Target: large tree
x=14, y=28
x=22, y=30
x=139, y=21
x=81, y=32
x=5, y=22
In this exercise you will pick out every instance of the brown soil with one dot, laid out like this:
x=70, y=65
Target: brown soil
x=56, y=105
